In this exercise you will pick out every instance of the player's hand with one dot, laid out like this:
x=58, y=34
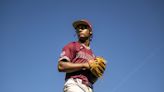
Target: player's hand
x=87, y=64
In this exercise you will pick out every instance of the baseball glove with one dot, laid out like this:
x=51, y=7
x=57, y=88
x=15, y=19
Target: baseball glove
x=97, y=66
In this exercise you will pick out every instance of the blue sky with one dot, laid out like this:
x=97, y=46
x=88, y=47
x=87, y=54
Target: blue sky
x=128, y=33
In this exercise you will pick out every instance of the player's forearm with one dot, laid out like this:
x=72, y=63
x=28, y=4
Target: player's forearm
x=71, y=67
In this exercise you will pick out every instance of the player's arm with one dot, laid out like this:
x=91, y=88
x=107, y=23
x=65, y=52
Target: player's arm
x=66, y=66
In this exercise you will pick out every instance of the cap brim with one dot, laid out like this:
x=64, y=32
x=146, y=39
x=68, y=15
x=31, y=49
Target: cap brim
x=76, y=23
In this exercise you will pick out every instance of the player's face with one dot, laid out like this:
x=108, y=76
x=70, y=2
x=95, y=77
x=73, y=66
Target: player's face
x=83, y=31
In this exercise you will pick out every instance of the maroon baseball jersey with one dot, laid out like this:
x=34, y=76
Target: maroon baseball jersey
x=76, y=52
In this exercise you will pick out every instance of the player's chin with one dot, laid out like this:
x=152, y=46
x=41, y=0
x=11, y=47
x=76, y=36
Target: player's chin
x=83, y=39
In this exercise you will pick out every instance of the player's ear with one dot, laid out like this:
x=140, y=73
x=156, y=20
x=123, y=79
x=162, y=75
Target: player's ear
x=90, y=32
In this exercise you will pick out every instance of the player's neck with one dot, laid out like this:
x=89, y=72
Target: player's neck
x=86, y=43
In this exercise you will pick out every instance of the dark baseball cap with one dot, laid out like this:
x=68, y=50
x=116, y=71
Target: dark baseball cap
x=82, y=22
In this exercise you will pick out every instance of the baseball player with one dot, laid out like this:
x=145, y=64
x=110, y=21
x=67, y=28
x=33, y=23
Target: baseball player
x=76, y=60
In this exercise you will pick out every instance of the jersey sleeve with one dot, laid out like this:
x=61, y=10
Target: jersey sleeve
x=68, y=52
